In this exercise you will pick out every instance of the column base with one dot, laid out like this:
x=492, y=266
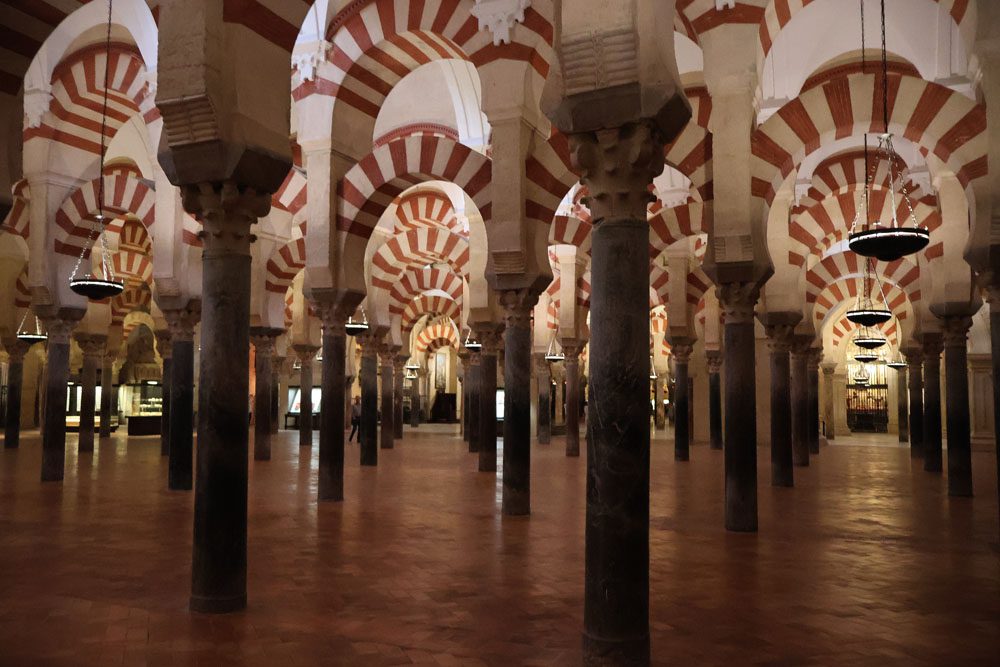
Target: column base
x=608, y=652
x=516, y=503
x=485, y=466
x=682, y=456
x=205, y=605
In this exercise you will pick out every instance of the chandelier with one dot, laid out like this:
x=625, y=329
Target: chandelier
x=106, y=284
x=31, y=335
x=355, y=327
x=867, y=312
x=868, y=339
x=471, y=343
x=555, y=351
x=871, y=237
x=897, y=362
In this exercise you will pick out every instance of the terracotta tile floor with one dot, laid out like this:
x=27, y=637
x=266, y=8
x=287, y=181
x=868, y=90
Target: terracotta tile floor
x=866, y=561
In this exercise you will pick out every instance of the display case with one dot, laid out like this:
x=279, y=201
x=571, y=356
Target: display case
x=295, y=405
x=142, y=406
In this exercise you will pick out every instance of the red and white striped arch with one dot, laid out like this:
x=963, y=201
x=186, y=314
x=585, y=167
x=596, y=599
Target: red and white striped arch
x=937, y=119
x=691, y=151
x=570, y=230
x=416, y=248
x=903, y=273
x=846, y=290
x=669, y=225
x=77, y=97
x=425, y=208
x=434, y=305
x=844, y=330
x=286, y=261
x=291, y=194
x=136, y=296
x=413, y=283
x=381, y=176
x=124, y=194
x=840, y=171
x=549, y=177
x=435, y=336
x=658, y=325
x=22, y=296
x=18, y=218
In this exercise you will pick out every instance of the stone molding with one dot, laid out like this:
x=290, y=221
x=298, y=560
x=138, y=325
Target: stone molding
x=738, y=300
x=499, y=17
x=181, y=321
x=226, y=212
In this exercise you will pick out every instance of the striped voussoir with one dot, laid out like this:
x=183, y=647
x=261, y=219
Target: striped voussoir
x=427, y=208
x=902, y=273
x=286, y=261
x=846, y=289
x=437, y=335
x=415, y=282
x=434, y=305
x=417, y=248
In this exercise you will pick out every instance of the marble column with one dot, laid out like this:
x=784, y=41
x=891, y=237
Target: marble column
x=415, y=399
x=92, y=346
x=932, y=346
x=812, y=372
x=263, y=342
x=780, y=344
x=487, y=401
x=681, y=350
x=333, y=399
x=829, y=415
x=902, y=414
x=544, y=375
x=516, y=483
x=993, y=298
x=572, y=364
x=107, y=387
x=306, y=355
x=182, y=322
x=659, y=413
x=800, y=402
x=277, y=370
x=219, y=568
x=956, y=371
x=56, y=377
x=397, y=396
x=368, y=434
x=16, y=349
x=164, y=348
x=714, y=359
x=617, y=165
x=387, y=431
x=915, y=384
x=474, y=378
x=739, y=345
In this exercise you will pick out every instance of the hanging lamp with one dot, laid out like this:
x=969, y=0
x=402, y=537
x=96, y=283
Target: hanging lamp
x=471, y=343
x=412, y=366
x=106, y=284
x=868, y=339
x=870, y=237
x=555, y=351
x=355, y=327
x=861, y=377
x=652, y=369
x=867, y=312
x=31, y=335
x=896, y=362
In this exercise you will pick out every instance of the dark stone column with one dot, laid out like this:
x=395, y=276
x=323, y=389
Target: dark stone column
x=415, y=399
x=956, y=371
x=182, y=322
x=56, y=377
x=333, y=399
x=368, y=435
x=306, y=355
x=780, y=343
x=277, y=370
x=812, y=372
x=487, y=401
x=263, y=343
x=107, y=387
x=517, y=402
x=902, y=414
x=829, y=400
x=617, y=165
x=397, y=396
x=738, y=301
x=544, y=375
x=219, y=568
x=474, y=377
x=800, y=402
x=714, y=358
x=16, y=349
x=92, y=346
x=681, y=350
x=163, y=345
x=572, y=365
x=387, y=432
x=932, y=402
x=915, y=383
x=993, y=294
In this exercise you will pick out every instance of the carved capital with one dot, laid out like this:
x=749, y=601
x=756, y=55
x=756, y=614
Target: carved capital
x=370, y=343
x=490, y=341
x=305, y=353
x=956, y=330
x=932, y=345
x=387, y=355
x=618, y=166
x=914, y=357
x=333, y=315
x=738, y=301
x=226, y=212
x=780, y=337
x=499, y=17
x=181, y=321
x=714, y=360
x=263, y=339
x=60, y=329
x=518, y=305
x=92, y=345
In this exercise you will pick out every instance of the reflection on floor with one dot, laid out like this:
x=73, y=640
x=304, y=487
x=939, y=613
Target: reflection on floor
x=865, y=561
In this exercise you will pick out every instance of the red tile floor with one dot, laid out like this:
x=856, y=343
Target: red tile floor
x=866, y=561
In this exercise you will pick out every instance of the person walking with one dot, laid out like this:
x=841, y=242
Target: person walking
x=355, y=418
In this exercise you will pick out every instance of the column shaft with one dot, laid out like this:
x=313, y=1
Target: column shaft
x=332, y=407
x=15, y=380
x=165, y=406
x=415, y=402
x=781, y=417
x=682, y=401
x=488, y=408
x=932, y=404
x=517, y=405
x=800, y=407
x=572, y=362
x=474, y=377
x=957, y=387
x=181, y=414
x=368, y=436
x=995, y=350
x=813, y=396
x=715, y=401
x=87, y=401
x=902, y=414
x=54, y=424
x=738, y=299
x=915, y=383
x=264, y=346
x=387, y=431
x=397, y=399
x=544, y=403
x=107, y=386
x=305, y=402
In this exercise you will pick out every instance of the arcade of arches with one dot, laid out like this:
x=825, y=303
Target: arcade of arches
x=578, y=273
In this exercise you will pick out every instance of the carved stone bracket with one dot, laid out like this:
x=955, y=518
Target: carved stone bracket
x=226, y=212
x=181, y=321
x=163, y=343
x=738, y=301
x=499, y=16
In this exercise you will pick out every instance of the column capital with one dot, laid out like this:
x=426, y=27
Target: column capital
x=780, y=337
x=815, y=357
x=305, y=353
x=387, y=354
x=518, y=306
x=92, y=345
x=163, y=341
x=370, y=342
x=914, y=357
x=278, y=364
x=263, y=339
x=681, y=349
x=932, y=344
x=738, y=300
x=226, y=211
x=956, y=330
x=181, y=321
x=60, y=327
x=829, y=368
x=618, y=165
x=333, y=313
x=16, y=349
x=714, y=360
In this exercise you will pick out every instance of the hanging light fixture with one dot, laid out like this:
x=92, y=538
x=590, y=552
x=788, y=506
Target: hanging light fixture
x=868, y=339
x=411, y=374
x=106, y=284
x=412, y=366
x=31, y=335
x=471, y=343
x=866, y=311
x=861, y=377
x=355, y=327
x=870, y=238
x=897, y=362
x=652, y=369
x=555, y=351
